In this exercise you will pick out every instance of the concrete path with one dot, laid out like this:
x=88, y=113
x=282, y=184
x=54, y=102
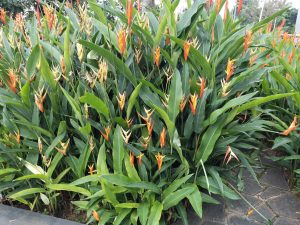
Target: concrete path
x=15, y=216
x=271, y=198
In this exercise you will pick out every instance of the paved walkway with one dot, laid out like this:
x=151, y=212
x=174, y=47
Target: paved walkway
x=271, y=198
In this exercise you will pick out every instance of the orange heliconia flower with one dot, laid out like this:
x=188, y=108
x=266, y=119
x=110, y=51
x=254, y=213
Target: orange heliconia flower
x=49, y=15
x=3, y=16
x=131, y=159
x=186, y=50
x=229, y=69
x=230, y=154
x=91, y=169
x=292, y=127
x=106, y=133
x=149, y=113
x=129, y=12
x=202, y=84
x=162, y=138
x=269, y=27
x=140, y=157
x=182, y=103
x=150, y=125
x=122, y=41
x=125, y=135
x=240, y=5
x=193, y=103
x=291, y=56
x=18, y=137
x=281, y=25
x=225, y=11
x=121, y=100
x=252, y=60
x=64, y=147
x=247, y=40
x=96, y=216
x=286, y=37
x=157, y=56
x=12, y=83
x=159, y=159
x=145, y=141
x=39, y=98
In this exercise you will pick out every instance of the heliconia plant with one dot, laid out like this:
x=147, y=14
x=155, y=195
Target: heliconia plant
x=284, y=78
x=131, y=113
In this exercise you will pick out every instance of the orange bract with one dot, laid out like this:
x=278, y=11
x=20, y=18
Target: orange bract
x=140, y=157
x=157, y=56
x=122, y=41
x=240, y=5
x=129, y=12
x=186, y=50
x=39, y=99
x=292, y=127
x=106, y=134
x=12, y=83
x=162, y=138
x=131, y=159
x=193, y=103
x=229, y=154
x=247, y=40
x=229, y=69
x=3, y=16
x=96, y=216
x=159, y=159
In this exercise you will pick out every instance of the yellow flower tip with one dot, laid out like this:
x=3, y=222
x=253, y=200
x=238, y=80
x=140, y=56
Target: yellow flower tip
x=182, y=103
x=228, y=156
x=64, y=147
x=150, y=125
x=121, y=100
x=91, y=169
x=140, y=157
x=125, y=135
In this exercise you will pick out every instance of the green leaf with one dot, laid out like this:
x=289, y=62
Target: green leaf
x=175, y=197
x=129, y=205
x=67, y=49
x=121, y=216
x=143, y=212
x=118, y=151
x=33, y=60
x=175, y=185
x=196, y=200
x=155, y=213
x=132, y=99
x=69, y=187
x=86, y=179
x=7, y=171
x=46, y=72
x=29, y=191
x=25, y=93
x=175, y=96
x=95, y=103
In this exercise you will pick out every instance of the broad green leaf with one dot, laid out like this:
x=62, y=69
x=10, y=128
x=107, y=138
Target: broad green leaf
x=143, y=212
x=67, y=48
x=121, y=216
x=132, y=99
x=7, y=171
x=176, y=184
x=175, y=96
x=155, y=213
x=196, y=200
x=33, y=60
x=118, y=151
x=95, y=103
x=69, y=187
x=129, y=205
x=175, y=197
x=29, y=191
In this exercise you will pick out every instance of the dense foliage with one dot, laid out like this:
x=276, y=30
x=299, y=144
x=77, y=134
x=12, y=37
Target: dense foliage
x=131, y=115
